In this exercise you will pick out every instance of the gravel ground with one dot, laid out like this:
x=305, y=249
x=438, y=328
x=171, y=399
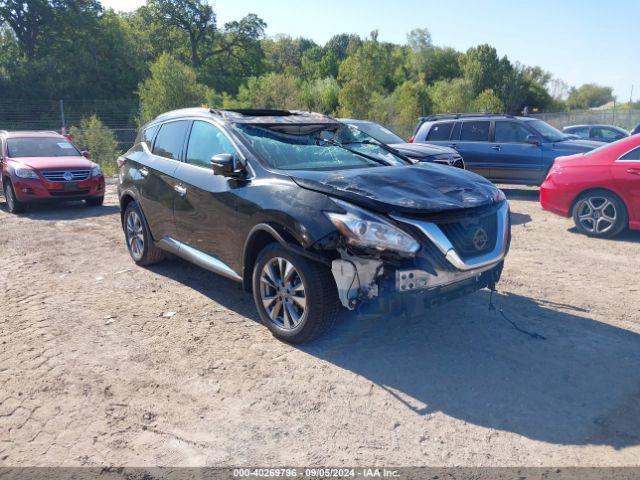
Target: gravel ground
x=95, y=369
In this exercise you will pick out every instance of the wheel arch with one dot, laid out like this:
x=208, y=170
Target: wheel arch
x=259, y=237
x=263, y=234
x=599, y=189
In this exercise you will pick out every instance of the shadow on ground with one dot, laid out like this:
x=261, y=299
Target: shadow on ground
x=71, y=210
x=579, y=386
x=629, y=236
x=519, y=218
x=514, y=193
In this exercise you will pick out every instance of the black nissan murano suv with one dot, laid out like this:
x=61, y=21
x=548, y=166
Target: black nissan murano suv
x=308, y=214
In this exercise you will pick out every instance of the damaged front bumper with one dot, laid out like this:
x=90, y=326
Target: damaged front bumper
x=438, y=273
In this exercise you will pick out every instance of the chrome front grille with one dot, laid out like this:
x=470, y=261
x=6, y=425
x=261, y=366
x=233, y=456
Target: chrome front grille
x=59, y=175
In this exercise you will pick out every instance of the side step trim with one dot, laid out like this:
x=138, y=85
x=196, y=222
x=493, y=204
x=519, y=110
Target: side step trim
x=198, y=258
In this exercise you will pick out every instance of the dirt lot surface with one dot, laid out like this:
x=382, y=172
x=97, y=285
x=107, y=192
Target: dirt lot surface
x=95, y=369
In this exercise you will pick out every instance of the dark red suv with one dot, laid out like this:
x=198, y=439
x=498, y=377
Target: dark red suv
x=40, y=166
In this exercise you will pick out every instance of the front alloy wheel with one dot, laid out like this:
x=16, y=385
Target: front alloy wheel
x=282, y=293
x=600, y=214
x=296, y=297
x=13, y=204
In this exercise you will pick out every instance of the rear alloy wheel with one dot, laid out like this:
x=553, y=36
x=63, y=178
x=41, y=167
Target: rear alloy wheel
x=13, y=204
x=295, y=297
x=138, y=237
x=600, y=214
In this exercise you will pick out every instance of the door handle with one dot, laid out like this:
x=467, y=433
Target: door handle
x=144, y=172
x=182, y=191
x=634, y=171
x=453, y=145
x=496, y=148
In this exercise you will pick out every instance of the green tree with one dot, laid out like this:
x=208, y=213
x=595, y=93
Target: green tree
x=361, y=75
x=172, y=85
x=274, y=90
x=321, y=95
x=488, y=101
x=589, y=95
x=449, y=96
x=193, y=17
x=99, y=140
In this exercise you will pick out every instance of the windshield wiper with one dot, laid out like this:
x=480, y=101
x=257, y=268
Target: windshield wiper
x=355, y=152
x=389, y=149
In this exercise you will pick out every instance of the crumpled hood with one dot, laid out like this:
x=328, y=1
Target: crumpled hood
x=576, y=146
x=420, y=188
x=421, y=150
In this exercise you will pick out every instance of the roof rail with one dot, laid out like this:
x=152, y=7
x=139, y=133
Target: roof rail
x=443, y=116
x=254, y=112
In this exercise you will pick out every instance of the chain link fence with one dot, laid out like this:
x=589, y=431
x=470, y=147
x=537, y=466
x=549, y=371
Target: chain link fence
x=622, y=117
x=119, y=115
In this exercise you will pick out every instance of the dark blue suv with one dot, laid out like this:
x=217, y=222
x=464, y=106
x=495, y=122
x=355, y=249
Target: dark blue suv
x=502, y=148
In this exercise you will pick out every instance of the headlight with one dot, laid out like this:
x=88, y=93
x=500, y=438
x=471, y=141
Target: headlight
x=367, y=230
x=26, y=173
x=96, y=171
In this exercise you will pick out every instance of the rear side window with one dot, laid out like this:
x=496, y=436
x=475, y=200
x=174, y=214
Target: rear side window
x=632, y=155
x=440, y=131
x=582, y=132
x=205, y=141
x=475, y=132
x=170, y=140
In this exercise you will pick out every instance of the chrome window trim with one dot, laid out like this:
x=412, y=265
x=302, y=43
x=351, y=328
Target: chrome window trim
x=440, y=240
x=619, y=159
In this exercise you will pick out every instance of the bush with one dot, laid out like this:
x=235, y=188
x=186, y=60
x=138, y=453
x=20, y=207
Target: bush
x=99, y=140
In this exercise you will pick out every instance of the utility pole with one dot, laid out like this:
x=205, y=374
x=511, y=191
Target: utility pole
x=63, y=130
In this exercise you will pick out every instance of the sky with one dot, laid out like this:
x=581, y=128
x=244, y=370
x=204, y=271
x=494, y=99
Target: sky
x=578, y=41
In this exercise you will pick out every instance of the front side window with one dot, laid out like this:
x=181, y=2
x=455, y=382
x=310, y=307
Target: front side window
x=316, y=147
x=170, y=139
x=40, y=147
x=605, y=134
x=380, y=133
x=549, y=133
x=440, y=131
x=510, y=132
x=475, y=132
x=633, y=155
x=205, y=141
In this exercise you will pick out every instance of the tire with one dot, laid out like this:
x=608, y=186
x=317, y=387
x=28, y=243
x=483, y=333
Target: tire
x=95, y=201
x=292, y=322
x=600, y=213
x=138, y=237
x=13, y=204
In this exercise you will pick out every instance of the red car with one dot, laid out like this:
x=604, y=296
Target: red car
x=600, y=188
x=39, y=166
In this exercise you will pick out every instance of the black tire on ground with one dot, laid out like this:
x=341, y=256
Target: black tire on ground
x=147, y=253
x=13, y=204
x=600, y=213
x=95, y=201
x=320, y=295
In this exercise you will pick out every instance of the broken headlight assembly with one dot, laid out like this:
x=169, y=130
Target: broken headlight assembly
x=364, y=229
